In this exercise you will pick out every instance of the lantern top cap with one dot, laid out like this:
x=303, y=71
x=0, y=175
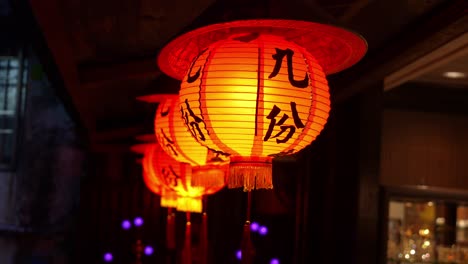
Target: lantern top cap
x=146, y=138
x=157, y=98
x=333, y=47
x=141, y=148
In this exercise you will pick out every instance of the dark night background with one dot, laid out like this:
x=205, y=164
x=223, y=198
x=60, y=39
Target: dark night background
x=69, y=73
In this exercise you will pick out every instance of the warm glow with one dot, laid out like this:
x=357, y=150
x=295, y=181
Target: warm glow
x=174, y=180
x=172, y=176
x=173, y=135
x=424, y=232
x=155, y=185
x=454, y=75
x=254, y=97
x=189, y=204
x=169, y=199
x=255, y=89
x=426, y=244
x=209, y=167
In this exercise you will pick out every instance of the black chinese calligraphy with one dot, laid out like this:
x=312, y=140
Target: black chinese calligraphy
x=216, y=156
x=280, y=53
x=290, y=129
x=170, y=176
x=168, y=143
x=192, y=121
x=166, y=112
x=191, y=78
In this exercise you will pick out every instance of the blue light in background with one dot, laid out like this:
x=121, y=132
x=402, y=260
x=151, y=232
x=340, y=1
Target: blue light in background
x=138, y=221
x=108, y=257
x=126, y=224
x=274, y=261
x=149, y=250
x=239, y=254
x=254, y=226
x=263, y=230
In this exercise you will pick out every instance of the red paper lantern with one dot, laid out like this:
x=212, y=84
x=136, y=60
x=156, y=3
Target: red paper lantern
x=208, y=168
x=168, y=196
x=254, y=89
x=161, y=169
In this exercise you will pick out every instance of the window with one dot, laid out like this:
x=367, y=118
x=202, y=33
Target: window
x=427, y=231
x=13, y=79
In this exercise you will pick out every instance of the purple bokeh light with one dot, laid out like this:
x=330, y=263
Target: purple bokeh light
x=138, y=221
x=126, y=224
x=149, y=250
x=274, y=261
x=254, y=226
x=108, y=257
x=263, y=230
x=239, y=254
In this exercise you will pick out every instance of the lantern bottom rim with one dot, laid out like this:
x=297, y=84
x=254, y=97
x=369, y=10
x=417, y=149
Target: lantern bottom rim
x=250, y=173
x=190, y=204
x=210, y=177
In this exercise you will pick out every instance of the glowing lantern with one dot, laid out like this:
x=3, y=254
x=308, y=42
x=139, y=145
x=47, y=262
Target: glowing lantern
x=256, y=89
x=160, y=168
x=155, y=185
x=208, y=168
x=169, y=197
x=172, y=175
x=177, y=177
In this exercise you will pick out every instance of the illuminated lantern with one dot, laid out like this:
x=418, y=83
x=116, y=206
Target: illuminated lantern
x=155, y=185
x=176, y=176
x=208, y=168
x=257, y=89
x=162, y=170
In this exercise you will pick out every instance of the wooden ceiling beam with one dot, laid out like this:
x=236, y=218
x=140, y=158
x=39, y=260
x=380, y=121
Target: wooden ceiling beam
x=95, y=76
x=118, y=134
x=114, y=148
x=432, y=31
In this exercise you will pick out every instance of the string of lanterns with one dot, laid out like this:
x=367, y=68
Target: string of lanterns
x=250, y=91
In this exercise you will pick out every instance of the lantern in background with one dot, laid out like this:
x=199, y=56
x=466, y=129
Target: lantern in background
x=175, y=176
x=162, y=170
x=256, y=89
x=155, y=185
x=208, y=167
x=168, y=197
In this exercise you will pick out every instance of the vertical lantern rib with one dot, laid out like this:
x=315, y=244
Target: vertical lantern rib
x=172, y=102
x=257, y=147
x=201, y=88
x=202, y=100
x=259, y=80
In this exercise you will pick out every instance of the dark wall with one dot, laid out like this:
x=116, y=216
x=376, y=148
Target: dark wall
x=113, y=192
x=421, y=148
x=340, y=217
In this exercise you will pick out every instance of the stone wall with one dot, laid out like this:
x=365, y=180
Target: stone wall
x=39, y=199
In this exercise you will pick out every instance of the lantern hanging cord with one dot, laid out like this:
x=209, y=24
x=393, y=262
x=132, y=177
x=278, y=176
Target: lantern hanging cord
x=204, y=203
x=249, y=206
